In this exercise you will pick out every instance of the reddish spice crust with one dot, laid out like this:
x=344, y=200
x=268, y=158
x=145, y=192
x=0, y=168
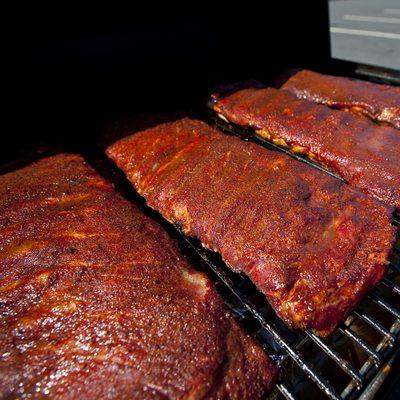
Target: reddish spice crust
x=381, y=103
x=97, y=302
x=364, y=154
x=311, y=244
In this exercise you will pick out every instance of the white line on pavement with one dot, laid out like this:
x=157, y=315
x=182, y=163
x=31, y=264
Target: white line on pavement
x=359, y=32
x=366, y=18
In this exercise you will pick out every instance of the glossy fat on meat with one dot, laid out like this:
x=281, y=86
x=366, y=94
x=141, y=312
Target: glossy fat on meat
x=97, y=302
x=364, y=154
x=310, y=243
x=381, y=103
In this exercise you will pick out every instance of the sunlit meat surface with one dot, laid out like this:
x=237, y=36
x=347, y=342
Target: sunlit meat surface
x=381, y=103
x=310, y=243
x=365, y=154
x=97, y=302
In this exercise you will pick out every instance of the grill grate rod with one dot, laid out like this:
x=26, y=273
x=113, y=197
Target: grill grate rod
x=387, y=282
x=343, y=364
x=366, y=347
x=285, y=391
x=375, y=324
x=384, y=305
x=324, y=385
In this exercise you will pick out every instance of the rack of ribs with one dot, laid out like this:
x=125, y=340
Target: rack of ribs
x=381, y=103
x=311, y=244
x=97, y=302
x=366, y=155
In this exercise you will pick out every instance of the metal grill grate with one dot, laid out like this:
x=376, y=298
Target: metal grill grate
x=360, y=380
x=285, y=346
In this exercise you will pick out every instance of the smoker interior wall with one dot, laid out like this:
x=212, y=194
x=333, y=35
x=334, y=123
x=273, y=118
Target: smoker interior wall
x=72, y=69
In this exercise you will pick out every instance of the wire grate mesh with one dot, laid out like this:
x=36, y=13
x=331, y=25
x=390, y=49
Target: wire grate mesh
x=371, y=333
x=286, y=347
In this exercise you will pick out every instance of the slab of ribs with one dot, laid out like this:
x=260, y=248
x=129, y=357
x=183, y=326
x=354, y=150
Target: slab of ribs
x=97, y=302
x=364, y=154
x=312, y=244
x=381, y=103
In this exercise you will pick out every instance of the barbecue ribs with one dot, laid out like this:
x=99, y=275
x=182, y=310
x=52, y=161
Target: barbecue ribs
x=96, y=301
x=381, y=103
x=364, y=154
x=310, y=243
